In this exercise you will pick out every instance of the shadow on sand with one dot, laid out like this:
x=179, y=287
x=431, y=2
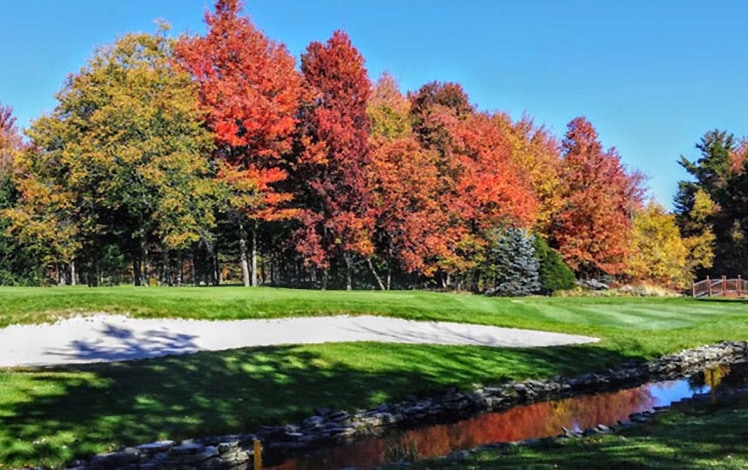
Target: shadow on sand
x=123, y=344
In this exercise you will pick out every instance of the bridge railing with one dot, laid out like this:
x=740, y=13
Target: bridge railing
x=722, y=287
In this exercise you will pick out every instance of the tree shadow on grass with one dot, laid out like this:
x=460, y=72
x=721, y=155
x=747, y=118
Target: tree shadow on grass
x=56, y=414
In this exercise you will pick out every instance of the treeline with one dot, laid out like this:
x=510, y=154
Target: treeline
x=214, y=159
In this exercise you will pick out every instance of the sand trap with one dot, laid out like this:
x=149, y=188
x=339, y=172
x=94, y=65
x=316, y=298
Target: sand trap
x=101, y=337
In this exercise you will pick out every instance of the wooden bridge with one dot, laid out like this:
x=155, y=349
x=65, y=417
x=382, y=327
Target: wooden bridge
x=723, y=287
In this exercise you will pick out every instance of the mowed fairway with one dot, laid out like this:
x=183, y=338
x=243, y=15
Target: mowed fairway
x=51, y=415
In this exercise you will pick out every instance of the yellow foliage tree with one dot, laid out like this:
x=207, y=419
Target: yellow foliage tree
x=659, y=253
x=536, y=152
x=700, y=239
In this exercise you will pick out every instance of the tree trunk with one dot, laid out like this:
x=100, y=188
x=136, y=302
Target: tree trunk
x=180, y=274
x=136, y=271
x=217, y=278
x=376, y=275
x=348, y=272
x=325, y=277
x=144, y=263
x=72, y=272
x=254, y=255
x=243, y=255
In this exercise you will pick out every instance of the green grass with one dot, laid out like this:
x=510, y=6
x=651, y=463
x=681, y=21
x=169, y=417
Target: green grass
x=51, y=415
x=693, y=436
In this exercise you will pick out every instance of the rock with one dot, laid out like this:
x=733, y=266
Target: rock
x=639, y=418
x=339, y=416
x=187, y=449
x=225, y=447
x=153, y=447
x=313, y=421
x=114, y=460
x=569, y=433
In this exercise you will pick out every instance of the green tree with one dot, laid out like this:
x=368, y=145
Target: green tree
x=720, y=175
x=122, y=156
x=554, y=274
x=512, y=269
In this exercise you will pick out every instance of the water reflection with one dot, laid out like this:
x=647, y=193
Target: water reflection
x=536, y=420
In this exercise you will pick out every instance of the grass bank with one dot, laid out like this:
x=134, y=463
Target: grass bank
x=51, y=415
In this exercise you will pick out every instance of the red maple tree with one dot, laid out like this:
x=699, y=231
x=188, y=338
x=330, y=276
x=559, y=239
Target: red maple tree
x=480, y=188
x=250, y=90
x=10, y=139
x=335, y=160
x=407, y=201
x=592, y=229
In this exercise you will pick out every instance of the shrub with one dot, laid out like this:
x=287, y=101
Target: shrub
x=555, y=275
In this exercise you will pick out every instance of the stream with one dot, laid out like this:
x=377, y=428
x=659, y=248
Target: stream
x=533, y=421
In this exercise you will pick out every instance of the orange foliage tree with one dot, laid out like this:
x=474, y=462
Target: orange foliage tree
x=250, y=90
x=481, y=188
x=592, y=229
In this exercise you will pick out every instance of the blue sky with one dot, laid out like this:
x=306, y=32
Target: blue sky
x=651, y=75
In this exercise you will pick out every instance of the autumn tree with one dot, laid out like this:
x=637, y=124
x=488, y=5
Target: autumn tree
x=250, y=91
x=592, y=229
x=406, y=203
x=495, y=191
x=437, y=109
x=404, y=181
x=434, y=107
x=336, y=195
x=659, y=253
x=480, y=187
x=19, y=264
x=535, y=152
x=44, y=214
x=10, y=138
x=389, y=110
x=121, y=158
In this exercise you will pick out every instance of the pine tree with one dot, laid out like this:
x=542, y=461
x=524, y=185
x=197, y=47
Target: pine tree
x=513, y=269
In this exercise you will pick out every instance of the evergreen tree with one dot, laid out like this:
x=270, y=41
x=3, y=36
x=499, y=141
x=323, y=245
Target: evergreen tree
x=719, y=175
x=512, y=268
x=554, y=274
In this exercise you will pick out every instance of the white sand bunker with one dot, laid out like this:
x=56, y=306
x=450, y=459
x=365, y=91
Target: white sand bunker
x=102, y=338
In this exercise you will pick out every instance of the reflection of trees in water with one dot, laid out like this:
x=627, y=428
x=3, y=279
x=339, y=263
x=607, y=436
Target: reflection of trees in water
x=531, y=421
x=711, y=377
x=523, y=422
